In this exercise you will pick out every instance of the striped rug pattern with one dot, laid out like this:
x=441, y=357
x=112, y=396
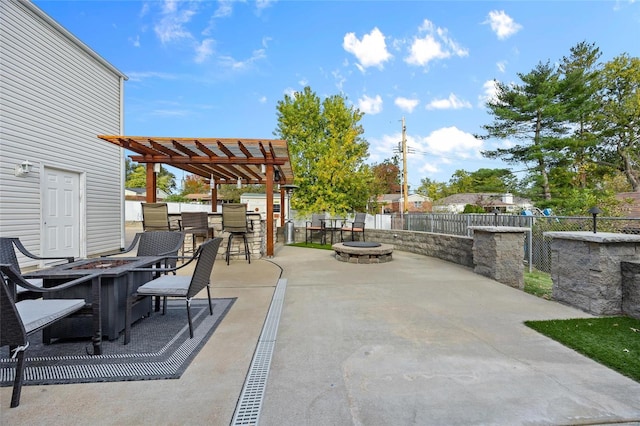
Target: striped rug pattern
x=160, y=348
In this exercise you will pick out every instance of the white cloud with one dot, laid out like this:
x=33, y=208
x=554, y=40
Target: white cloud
x=489, y=90
x=371, y=51
x=370, y=105
x=171, y=25
x=204, y=50
x=406, y=104
x=502, y=66
x=139, y=76
x=135, y=41
x=262, y=99
x=225, y=8
x=502, y=24
x=339, y=78
x=452, y=102
x=230, y=62
x=451, y=142
x=435, y=44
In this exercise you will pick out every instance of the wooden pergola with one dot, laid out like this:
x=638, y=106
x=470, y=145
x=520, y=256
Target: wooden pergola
x=218, y=160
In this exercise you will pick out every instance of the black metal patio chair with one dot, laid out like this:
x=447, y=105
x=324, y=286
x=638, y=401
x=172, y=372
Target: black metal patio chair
x=20, y=319
x=183, y=286
x=196, y=224
x=234, y=221
x=354, y=227
x=317, y=225
x=8, y=246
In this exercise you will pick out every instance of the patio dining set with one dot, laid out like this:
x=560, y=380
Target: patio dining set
x=102, y=297
x=321, y=226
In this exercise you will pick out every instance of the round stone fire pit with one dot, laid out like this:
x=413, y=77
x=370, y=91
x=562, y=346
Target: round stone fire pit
x=363, y=252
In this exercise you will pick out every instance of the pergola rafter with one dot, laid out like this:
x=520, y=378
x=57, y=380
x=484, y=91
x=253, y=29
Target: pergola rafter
x=254, y=161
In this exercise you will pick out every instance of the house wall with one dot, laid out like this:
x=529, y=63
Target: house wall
x=56, y=96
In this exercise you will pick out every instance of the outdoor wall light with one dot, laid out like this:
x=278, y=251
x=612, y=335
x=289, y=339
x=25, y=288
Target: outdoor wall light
x=23, y=168
x=595, y=211
x=156, y=168
x=239, y=183
x=276, y=175
x=263, y=168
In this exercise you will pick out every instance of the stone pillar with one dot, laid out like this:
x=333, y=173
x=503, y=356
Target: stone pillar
x=631, y=289
x=498, y=253
x=586, y=268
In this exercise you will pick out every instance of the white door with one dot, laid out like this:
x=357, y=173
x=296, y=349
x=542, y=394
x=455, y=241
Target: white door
x=61, y=213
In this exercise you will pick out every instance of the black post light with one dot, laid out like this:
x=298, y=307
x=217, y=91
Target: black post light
x=595, y=211
x=495, y=216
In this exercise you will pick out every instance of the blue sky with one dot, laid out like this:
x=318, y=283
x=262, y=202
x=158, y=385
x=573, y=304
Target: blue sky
x=218, y=68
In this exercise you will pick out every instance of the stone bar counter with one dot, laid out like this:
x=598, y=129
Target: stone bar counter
x=256, y=237
x=586, y=268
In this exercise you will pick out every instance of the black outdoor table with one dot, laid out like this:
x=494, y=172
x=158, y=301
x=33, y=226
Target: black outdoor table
x=107, y=296
x=331, y=225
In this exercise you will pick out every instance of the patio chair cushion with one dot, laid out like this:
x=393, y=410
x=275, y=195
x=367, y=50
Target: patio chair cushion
x=33, y=281
x=171, y=285
x=38, y=313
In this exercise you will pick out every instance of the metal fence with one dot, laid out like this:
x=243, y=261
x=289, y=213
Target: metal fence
x=537, y=248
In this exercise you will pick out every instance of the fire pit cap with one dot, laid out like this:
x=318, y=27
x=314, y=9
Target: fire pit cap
x=360, y=244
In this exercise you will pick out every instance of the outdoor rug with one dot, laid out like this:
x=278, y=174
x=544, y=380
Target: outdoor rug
x=160, y=348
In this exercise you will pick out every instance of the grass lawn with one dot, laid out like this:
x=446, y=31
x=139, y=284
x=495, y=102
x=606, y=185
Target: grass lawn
x=312, y=245
x=538, y=283
x=611, y=341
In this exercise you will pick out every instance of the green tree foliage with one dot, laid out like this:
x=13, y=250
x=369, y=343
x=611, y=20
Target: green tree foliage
x=433, y=189
x=579, y=87
x=532, y=114
x=136, y=177
x=327, y=153
x=618, y=120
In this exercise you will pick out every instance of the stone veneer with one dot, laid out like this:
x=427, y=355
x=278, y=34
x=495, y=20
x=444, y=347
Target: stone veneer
x=452, y=248
x=631, y=289
x=498, y=253
x=381, y=254
x=586, y=269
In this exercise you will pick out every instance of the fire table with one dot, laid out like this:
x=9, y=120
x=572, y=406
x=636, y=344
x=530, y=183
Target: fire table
x=107, y=298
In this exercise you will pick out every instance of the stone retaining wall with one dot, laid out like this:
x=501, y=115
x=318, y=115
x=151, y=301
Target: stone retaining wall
x=586, y=269
x=631, y=288
x=451, y=248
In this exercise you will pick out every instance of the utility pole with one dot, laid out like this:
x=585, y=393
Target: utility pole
x=405, y=186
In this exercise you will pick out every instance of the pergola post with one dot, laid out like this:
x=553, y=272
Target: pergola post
x=269, y=197
x=151, y=183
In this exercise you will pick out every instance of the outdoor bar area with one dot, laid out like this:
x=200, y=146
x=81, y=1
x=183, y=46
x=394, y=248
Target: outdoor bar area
x=220, y=161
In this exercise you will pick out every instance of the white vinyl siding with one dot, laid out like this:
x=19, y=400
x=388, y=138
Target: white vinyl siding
x=55, y=98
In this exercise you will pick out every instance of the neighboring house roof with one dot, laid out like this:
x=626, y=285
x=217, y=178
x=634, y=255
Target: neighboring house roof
x=482, y=198
x=393, y=198
x=633, y=209
x=142, y=192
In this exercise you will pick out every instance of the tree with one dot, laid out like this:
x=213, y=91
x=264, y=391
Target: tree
x=618, y=122
x=432, y=189
x=136, y=177
x=578, y=90
x=194, y=184
x=531, y=113
x=327, y=153
x=386, y=177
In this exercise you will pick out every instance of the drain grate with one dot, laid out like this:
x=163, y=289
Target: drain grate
x=250, y=402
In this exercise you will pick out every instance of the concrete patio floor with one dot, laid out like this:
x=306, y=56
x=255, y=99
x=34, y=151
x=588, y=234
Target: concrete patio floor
x=416, y=341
